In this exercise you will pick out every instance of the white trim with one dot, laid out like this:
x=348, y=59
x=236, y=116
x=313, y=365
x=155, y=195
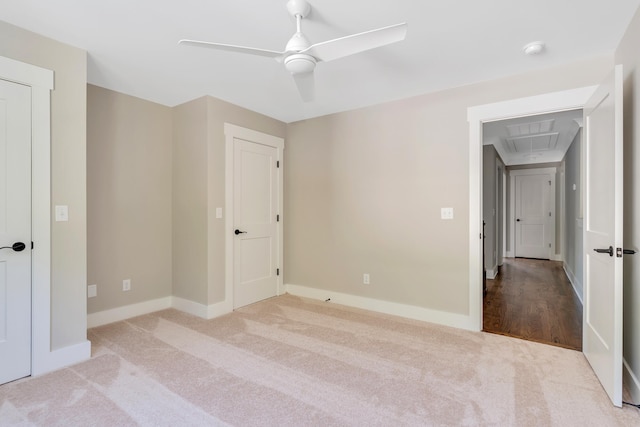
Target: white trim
x=41, y=81
x=492, y=273
x=403, y=310
x=63, y=357
x=557, y=101
x=232, y=132
x=128, y=311
x=509, y=254
x=573, y=280
x=26, y=74
x=551, y=253
x=631, y=380
x=203, y=311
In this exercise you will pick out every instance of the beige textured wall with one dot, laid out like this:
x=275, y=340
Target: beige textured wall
x=199, y=188
x=628, y=55
x=128, y=198
x=364, y=191
x=68, y=174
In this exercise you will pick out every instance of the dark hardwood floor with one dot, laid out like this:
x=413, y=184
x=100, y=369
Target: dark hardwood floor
x=533, y=300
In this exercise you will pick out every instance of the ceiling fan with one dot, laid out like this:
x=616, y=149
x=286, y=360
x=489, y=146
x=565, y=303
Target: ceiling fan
x=300, y=56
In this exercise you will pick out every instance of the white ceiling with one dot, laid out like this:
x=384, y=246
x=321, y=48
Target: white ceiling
x=132, y=45
x=543, y=138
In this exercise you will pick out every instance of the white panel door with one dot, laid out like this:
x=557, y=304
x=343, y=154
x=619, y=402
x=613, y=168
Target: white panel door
x=15, y=226
x=256, y=200
x=602, y=312
x=532, y=212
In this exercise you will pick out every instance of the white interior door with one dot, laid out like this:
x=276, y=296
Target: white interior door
x=533, y=215
x=15, y=226
x=256, y=202
x=602, y=331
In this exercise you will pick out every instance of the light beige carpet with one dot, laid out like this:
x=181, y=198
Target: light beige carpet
x=291, y=361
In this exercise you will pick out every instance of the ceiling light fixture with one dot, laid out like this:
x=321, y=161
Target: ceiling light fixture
x=533, y=48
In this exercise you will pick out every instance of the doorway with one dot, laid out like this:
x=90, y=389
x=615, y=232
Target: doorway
x=535, y=295
x=254, y=221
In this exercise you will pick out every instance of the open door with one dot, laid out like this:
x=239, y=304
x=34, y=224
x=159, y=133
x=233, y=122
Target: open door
x=602, y=332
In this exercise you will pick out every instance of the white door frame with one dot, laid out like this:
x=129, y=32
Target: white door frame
x=231, y=133
x=552, y=206
x=43, y=359
x=551, y=102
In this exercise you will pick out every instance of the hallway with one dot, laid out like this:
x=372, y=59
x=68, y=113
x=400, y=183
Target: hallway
x=533, y=299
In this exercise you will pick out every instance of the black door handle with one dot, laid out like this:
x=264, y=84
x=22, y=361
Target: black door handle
x=239, y=232
x=605, y=251
x=17, y=246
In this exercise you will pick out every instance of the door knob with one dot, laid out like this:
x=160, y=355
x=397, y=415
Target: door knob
x=518, y=219
x=17, y=246
x=605, y=251
x=239, y=232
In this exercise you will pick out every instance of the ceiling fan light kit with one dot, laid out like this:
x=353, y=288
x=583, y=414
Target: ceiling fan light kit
x=300, y=56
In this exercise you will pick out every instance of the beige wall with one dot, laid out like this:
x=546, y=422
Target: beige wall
x=628, y=55
x=198, y=188
x=189, y=222
x=363, y=191
x=128, y=198
x=68, y=175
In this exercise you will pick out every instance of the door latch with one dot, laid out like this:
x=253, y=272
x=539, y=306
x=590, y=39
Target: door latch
x=620, y=252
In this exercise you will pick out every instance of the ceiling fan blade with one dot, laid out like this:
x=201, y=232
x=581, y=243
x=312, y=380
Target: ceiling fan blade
x=356, y=43
x=233, y=48
x=306, y=85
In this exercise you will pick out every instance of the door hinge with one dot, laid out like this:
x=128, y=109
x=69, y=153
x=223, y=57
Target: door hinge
x=277, y=271
x=549, y=213
x=277, y=218
x=31, y=245
x=549, y=182
x=278, y=163
x=549, y=244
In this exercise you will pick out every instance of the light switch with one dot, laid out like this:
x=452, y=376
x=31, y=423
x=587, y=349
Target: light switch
x=62, y=213
x=218, y=213
x=92, y=291
x=446, y=213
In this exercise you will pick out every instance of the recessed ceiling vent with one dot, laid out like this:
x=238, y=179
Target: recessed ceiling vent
x=530, y=128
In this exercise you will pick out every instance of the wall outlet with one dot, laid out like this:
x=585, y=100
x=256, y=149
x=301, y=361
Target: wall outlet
x=92, y=291
x=446, y=213
x=126, y=285
x=366, y=280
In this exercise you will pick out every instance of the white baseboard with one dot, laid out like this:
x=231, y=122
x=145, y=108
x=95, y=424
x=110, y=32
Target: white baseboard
x=556, y=257
x=492, y=273
x=508, y=254
x=61, y=358
x=201, y=310
x=573, y=280
x=631, y=381
x=403, y=310
x=128, y=311
x=122, y=313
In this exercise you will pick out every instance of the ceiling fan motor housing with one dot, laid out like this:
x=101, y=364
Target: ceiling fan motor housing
x=299, y=63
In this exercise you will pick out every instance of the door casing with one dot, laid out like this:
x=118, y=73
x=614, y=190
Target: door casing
x=552, y=102
x=233, y=132
x=43, y=358
x=551, y=252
